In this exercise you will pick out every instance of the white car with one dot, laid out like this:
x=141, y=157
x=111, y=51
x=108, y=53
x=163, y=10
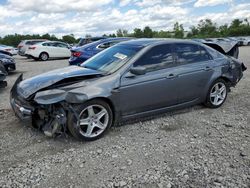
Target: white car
x=49, y=49
x=24, y=45
x=11, y=50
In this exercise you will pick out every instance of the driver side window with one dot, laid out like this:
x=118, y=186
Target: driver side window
x=157, y=58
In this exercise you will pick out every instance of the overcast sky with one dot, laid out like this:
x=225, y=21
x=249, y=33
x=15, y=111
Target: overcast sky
x=97, y=17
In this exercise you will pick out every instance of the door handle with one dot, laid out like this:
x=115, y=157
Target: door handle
x=207, y=68
x=171, y=76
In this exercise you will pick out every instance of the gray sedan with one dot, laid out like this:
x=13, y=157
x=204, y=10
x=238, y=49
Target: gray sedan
x=129, y=80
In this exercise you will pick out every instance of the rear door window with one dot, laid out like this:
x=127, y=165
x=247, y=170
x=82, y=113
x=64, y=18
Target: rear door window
x=61, y=45
x=47, y=44
x=190, y=53
x=214, y=53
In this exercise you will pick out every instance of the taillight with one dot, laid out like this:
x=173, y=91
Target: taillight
x=20, y=46
x=8, y=50
x=32, y=48
x=76, y=54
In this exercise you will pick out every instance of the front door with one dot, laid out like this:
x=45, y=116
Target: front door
x=153, y=90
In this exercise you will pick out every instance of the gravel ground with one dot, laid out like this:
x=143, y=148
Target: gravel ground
x=193, y=147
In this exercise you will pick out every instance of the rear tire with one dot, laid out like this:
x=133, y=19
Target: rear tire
x=95, y=118
x=44, y=56
x=217, y=94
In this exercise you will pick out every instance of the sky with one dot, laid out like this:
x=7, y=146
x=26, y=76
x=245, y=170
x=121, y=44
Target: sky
x=96, y=17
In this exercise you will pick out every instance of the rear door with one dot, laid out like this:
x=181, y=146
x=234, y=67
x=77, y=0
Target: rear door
x=50, y=48
x=153, y=90
x=63, y=50
x=195, y=69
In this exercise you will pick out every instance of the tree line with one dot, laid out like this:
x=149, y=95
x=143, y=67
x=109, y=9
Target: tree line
x=204, y=29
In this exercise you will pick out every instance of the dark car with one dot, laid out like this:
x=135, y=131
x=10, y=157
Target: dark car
x=3, y=75
x=81, y=54
x=8, y=62
x=88, y=40
x=5, y=52
x=131, y=79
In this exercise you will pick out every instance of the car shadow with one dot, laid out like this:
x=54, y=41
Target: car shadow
x=49, y=60
x=14, y=73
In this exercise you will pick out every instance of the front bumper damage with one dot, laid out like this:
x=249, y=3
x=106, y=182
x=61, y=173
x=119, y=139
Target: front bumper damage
x=51, y=118
x=22, y=109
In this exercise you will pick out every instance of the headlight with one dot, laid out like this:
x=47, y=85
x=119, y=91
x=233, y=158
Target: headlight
x=50, y=96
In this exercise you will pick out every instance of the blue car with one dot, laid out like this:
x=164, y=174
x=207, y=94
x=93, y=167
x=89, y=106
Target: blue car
x=81, y=54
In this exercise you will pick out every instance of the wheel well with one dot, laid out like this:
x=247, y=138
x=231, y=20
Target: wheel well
x=43, y=53
x=228, y=81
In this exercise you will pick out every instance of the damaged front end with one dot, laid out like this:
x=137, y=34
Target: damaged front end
x=46, y=110
x=51, y=119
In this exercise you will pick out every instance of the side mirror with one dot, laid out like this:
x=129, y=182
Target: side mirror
x=138, y=70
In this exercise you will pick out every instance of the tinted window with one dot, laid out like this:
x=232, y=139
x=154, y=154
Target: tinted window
x=214, y=53
x=84, y=41
x=104, y=45
x=61, y=45
x=47, y=44
x=33, y=42
x=158, y=57
x=109, y=44
x=190, y=53
x=205, y=56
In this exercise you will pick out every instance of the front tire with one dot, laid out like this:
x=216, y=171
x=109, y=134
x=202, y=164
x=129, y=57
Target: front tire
x=44, y=56
x=217, y=94
x=95, y=117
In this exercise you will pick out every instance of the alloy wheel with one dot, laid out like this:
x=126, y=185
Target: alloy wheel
x=218, y=93
x=93, y=120
x=44, y=56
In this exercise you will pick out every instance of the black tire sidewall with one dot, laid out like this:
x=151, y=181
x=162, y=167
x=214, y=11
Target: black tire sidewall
x=72, y=121
x=208, y=101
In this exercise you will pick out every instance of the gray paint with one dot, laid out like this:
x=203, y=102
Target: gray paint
x=133, y=96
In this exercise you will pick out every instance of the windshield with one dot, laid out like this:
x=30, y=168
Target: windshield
x=111, y=59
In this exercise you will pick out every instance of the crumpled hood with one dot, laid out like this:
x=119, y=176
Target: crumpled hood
x=34, y=84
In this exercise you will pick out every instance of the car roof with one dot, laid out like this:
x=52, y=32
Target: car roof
x=96, y=43
x=34, y=40
x=154, y=41
x=49, y=41
x=114, y=39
